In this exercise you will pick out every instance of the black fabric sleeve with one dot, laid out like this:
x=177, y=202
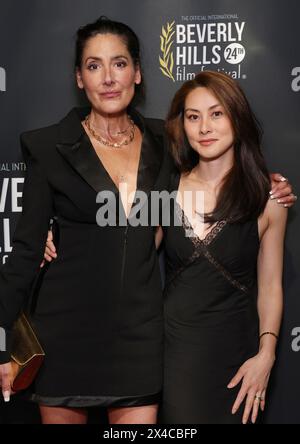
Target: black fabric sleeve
x=23, y=264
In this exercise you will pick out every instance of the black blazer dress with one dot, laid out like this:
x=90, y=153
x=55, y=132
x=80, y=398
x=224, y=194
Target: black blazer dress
x=99, y=313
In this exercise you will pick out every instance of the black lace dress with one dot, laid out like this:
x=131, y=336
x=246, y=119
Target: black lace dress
x=211, y=319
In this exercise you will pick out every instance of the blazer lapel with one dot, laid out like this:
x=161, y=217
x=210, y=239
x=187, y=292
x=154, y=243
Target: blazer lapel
x=151, y=158
x=152, y=152
x=76, y=148
x=78, y=151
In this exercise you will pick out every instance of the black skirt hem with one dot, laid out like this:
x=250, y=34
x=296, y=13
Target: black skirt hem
x=96, y=401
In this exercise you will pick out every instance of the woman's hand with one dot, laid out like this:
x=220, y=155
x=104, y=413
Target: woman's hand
x=50, y=250
x=282, y=190
x=255, y=374
x=6, y=378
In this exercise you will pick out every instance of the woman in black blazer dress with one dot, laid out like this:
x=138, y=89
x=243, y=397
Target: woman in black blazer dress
x=99, y=309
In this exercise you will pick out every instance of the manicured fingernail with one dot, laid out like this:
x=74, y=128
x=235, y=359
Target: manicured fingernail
x=233, y=411
x=279, y=201
x=285, y=205
x=271, y=192
x=6, y=396
x=283, y=179
x=273, y=196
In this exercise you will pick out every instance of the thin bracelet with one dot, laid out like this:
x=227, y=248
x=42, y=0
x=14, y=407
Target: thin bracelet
x=268, y=333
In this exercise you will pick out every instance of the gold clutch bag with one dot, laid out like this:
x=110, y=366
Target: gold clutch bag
x=27, y=354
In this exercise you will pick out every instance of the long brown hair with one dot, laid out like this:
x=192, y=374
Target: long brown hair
x=244, y=191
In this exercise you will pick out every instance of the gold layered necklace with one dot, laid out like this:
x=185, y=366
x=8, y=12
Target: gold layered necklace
x=105, y=142
x=121, y=176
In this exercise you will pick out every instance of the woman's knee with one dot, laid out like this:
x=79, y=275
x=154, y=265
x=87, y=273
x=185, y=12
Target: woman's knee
x=133, y=415
x=63, y=415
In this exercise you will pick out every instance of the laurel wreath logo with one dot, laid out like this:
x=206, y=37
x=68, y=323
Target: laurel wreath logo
x=166, y=60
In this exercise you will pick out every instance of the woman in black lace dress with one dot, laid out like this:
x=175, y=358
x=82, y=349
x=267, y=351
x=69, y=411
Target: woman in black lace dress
x=223, y=298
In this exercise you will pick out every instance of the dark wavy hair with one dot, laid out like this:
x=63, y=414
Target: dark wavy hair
x=245, y=189
x=104, y=25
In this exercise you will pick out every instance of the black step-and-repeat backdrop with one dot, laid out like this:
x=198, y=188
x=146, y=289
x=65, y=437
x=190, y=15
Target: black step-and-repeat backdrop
x=256, y=42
